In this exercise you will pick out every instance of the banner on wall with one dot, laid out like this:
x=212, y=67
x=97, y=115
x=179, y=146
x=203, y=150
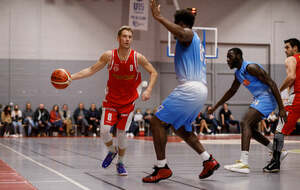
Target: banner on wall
x=138, y=14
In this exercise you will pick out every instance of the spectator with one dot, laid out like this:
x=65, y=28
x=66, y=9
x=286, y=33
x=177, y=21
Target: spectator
x=94, y=118
x=138, y=118
x=147, y=117
x=226, y=118
x=211, y=119
x=17, y=119
x=262, y=127
x=81, y=119
x=199, y=124
x=0, y=112
x=65, y=115
x=55, y=120
x=5, y=130
x=41, y=118
x=271, y=123
x=28, y=119
x=1, y=126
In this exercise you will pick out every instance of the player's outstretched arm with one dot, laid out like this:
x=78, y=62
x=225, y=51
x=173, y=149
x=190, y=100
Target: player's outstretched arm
x=103, y=60
x=182, y=34
x=229, y=94
x=257, y=71
x=153, y=75
x=290, y=66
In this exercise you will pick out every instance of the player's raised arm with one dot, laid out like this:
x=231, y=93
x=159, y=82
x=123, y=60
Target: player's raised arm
x=182, y=32
x=153, y=75
x=87, y=72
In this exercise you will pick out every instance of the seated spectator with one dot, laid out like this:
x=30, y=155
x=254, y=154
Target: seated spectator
x=41, y=118
x=271, y=123
x=94, y=119
x=17, y=119
x=5, y=130
x=211, y=120
x=55, y=120
x=200, y=124
x=28, y=119
x=65, y=115
x=138, y=118
x=133, y=129
x=226, y=118
x=81, y=119
x=147, y=118
x=262, y=127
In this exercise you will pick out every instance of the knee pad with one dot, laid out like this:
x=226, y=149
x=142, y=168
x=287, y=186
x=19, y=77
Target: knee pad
x=122, y=139
x=105, y=133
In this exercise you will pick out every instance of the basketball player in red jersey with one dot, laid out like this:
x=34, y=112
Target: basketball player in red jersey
x=123, y=88
x=292, y=106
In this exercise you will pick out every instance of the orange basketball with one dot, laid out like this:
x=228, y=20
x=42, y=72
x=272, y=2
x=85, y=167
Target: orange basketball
x=60, y=78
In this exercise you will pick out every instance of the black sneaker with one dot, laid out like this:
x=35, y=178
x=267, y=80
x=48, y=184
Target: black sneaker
x=272, y=167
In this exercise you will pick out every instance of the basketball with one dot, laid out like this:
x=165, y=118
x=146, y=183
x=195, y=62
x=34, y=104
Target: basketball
x=60, y=78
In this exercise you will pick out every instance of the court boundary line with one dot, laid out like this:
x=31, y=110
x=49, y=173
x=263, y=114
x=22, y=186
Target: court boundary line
x=46, y=167
x=107, y=182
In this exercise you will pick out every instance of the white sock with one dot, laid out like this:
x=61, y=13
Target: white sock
x=120, y=159
x=111, y=148
x=244, y=157
x=270, y=146
x=205, y=155
x=161, y=163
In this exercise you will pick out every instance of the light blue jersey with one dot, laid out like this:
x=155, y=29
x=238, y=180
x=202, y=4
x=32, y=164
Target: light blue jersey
x=264, y=101
x=185, y=102
x=190, y=62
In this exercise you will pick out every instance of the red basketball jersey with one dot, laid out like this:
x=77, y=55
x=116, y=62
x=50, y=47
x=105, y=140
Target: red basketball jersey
x=123, y=85
x=297, y=80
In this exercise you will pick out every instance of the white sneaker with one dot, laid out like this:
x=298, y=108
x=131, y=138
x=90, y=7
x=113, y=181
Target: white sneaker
x=201, y=133
x=219, y=128
x=208, y=131
x=94, y=135
x=238, y=167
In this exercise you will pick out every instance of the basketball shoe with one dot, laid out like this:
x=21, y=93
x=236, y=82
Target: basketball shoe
x=158, y=174
x=238, y=167
x=121, y=169
x=108, y=159
x=274, y=165
x=209, y=166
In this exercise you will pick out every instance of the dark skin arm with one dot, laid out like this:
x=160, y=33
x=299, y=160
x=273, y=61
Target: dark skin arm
x=181, y=32
x=229, y=94
x=258, y=72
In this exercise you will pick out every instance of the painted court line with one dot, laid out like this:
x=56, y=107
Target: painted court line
x=46, y=167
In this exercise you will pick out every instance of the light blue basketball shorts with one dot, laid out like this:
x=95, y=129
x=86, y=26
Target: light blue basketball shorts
x=183, y=105
x=265, y=104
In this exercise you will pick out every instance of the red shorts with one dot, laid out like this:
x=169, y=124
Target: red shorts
x=121, y=115
x=293, y=114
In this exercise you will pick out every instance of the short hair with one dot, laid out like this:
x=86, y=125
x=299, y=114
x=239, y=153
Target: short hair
x=237, y=51
x=124, y=28
x=294, y=42
x=185, y=16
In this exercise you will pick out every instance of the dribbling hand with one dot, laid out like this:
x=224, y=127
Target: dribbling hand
x=146, y=95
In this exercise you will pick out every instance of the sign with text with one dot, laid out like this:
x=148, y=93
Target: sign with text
x=138, y=14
